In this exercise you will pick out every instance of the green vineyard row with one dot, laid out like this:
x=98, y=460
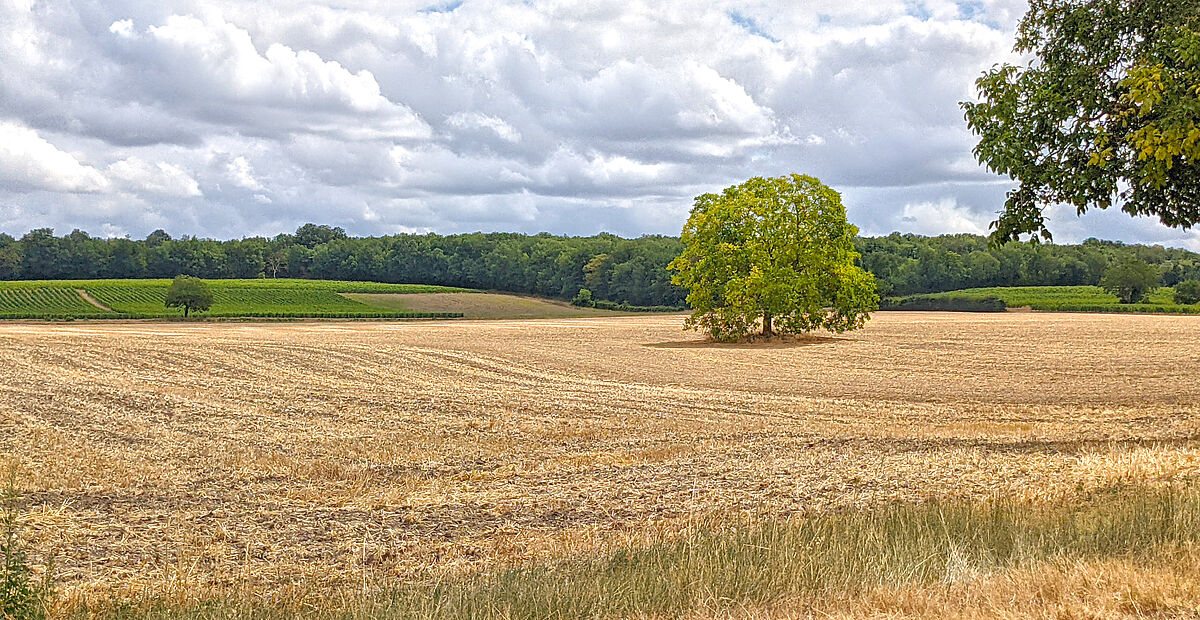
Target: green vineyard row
x=60, y=300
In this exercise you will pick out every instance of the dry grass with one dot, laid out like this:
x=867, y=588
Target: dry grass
x=478, y=305
x=1135, y=547
x=304, y=460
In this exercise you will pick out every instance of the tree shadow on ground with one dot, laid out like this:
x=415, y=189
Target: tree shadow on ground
x=784, y=342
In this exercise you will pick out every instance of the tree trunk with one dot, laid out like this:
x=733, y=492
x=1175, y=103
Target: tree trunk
x=185, y=311
x=767, y=330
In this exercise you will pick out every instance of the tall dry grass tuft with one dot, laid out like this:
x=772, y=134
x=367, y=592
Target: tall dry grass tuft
x=23, y=596
x=912, y=555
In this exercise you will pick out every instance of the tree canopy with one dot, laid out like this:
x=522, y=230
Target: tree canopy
x=1187, y=292
x=189, y=293
x=776, y=250
x=1106, y=113
x=1130, y=280
x=613, y=269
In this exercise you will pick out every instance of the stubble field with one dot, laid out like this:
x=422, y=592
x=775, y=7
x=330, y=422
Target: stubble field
x=301, y=461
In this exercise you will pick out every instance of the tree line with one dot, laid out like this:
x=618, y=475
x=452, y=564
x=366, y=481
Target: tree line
x=908, y=264
x=612, y=268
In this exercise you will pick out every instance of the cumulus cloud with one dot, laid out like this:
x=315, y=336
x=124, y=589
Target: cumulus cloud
x=160, y=178
x=466, y=122
x=122, y=28
x=215, y=68
x=239, y=172
x=943, y=216
x=28, y=162
x=220, y=118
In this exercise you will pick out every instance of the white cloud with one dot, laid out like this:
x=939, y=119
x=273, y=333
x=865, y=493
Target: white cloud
x=220, y=59
x=942, y=216
x=475, y=120
x=110, y=231
x=220, y=68
x=122, y=28
x=223, y=118
x=29, y=162
x=161, y=178
x=240, y=173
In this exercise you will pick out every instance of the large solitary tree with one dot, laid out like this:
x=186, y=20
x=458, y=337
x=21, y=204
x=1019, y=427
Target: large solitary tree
x=1106, y=112
x=773, y=252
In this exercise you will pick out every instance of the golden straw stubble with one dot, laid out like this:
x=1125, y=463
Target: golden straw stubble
x=297, y=459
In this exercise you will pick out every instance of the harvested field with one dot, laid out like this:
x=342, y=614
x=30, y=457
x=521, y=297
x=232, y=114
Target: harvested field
x=300, y=459
x=476, y=305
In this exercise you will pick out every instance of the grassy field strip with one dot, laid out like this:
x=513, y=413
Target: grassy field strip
x=232, y=298
x=42, y=301
x=276, y=298
x=231, y=301
x=345, y=286
x=1071, y=299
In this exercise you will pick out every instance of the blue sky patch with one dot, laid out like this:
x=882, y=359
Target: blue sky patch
x=445, y=7
x=749, y=25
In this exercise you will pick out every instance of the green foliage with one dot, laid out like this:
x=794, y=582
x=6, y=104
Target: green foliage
x=583, y=299
x=232, y=300
x=189, y=293
x=1187, y=292
x=942, y=303
x=21, y=596
x=623, y=307
x=908, y=264
x=1130, y=280
x=1106, y=112
x=1037, y=297
x=34, y=302
x=1062, y=299
x=312, y=235
x=620, y=271
x=1163, y=90
x=778, y=249
x=628, y=271
x=272, y=298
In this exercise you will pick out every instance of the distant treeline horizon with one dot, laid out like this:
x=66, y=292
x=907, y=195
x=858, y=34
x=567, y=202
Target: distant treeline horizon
x=612, y=268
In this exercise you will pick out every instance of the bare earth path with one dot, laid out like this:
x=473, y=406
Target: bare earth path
x=260, y=456
x=92, y=300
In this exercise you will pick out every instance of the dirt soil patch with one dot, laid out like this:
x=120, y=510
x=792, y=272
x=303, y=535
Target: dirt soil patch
x=92, y=300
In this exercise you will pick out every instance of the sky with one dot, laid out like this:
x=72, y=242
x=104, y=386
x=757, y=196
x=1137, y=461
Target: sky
x=234, y=119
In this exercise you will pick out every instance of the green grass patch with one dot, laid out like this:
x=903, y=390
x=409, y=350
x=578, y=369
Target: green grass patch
x=340, y=286
x=60, y=299
x=1067, y=299
x=720, y=569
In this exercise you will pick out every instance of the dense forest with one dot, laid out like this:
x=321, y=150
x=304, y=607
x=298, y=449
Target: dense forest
x=613, y=268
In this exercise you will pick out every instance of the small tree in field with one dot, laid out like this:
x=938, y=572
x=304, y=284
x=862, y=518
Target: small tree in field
x=776, y=252
x=1130, y=280
x=1187, y=292
x=583, y=299
x=190, y=293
